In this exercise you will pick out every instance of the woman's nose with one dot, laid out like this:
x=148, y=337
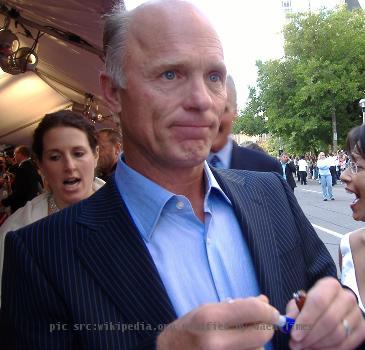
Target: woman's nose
x=346, y=175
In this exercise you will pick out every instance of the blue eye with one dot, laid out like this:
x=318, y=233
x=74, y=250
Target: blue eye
x=169, y=75
x=214, y=77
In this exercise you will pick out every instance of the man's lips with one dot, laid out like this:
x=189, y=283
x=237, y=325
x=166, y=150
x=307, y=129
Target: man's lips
x=191, y=131
x=192, y=125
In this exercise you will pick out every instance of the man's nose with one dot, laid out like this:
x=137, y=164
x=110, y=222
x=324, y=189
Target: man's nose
x=199, y=96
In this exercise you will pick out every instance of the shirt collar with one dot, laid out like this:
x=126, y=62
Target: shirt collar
x=146, y=200
x=24, y=160
x=224, y=154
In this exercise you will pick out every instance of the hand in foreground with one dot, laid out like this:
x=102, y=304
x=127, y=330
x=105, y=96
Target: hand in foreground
x=329, y=319
x=238, y=324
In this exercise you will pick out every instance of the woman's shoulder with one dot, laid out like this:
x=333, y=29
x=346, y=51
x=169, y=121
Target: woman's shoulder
x=33, y=210
x=357, y=239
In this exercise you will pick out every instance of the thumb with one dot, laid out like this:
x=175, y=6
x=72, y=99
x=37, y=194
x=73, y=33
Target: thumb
x=292, y=309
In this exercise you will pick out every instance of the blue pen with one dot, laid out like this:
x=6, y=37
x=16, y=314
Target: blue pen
x=285, y=323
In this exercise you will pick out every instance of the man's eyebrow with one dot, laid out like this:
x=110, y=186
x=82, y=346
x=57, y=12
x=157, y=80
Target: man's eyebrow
x=166, y=63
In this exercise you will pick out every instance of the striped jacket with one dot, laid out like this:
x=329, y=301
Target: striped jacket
x=84, y=279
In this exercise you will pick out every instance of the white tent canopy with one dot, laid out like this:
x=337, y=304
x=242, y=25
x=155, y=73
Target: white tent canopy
x=70, y=59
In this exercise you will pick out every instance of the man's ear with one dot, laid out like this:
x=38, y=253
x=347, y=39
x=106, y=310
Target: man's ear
x=118, y=148
x=110, y=93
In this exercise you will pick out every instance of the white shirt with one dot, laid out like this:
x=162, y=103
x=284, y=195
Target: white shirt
x=348, y=277
x=302, y=165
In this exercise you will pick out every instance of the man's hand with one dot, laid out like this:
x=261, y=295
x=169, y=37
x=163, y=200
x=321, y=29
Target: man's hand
x=239, y=324
x=329, y=319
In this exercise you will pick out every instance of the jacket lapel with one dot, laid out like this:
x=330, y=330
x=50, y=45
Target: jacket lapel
x=235, y=162
x=117, y=257
x=247, y=200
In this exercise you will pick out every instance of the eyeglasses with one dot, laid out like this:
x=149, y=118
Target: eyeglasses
x=354, y=168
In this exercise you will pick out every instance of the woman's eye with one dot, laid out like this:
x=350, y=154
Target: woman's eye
x=169, y=75
x=54, y=157
x=79, y=154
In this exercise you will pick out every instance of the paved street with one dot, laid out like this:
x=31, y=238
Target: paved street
x=331, y=219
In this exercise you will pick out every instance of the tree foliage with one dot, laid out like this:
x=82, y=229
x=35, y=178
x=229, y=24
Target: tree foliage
x=251, y=120
x=321, y=73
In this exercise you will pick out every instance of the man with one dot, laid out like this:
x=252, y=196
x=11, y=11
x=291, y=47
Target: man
x=303, y=166
x=225, y=152
x=27, y=182
x=168, y=241
x=332, y=160
x=288, y=170
x=110, y=147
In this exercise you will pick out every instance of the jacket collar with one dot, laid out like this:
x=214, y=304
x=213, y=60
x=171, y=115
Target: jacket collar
x=117, y=257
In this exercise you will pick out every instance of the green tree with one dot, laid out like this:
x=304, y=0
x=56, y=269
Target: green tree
x=251, y=120
x=321, y=73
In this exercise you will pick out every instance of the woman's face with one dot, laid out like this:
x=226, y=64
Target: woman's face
x=354, y=179
x=68, y=164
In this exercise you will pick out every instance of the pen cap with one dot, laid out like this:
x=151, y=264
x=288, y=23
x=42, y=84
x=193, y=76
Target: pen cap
x=285, y=324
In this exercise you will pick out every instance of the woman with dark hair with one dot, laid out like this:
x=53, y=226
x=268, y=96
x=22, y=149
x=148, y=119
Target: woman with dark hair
x=66, y=149
x=352, y=247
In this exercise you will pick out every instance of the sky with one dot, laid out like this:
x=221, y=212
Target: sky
x=250, y=30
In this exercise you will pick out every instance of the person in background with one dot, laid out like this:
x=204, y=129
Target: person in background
x=323, y=165
x=315, y=168
x=352, y=246
x=169, y=242
x=26, y=184
x=65, y=146
x=302, y=169
x=288, y=170
x=225, y=152
x=110, y=147
x=332, y=159
x=309, y=167
x=255, y=146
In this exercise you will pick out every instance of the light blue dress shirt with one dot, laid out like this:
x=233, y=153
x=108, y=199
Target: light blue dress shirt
x=283, y=165
x=224, y=155
x=198, y=262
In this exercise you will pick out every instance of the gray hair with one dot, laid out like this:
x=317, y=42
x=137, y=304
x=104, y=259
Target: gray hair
x=231, y=90
x=114, y=42
x=116, y=29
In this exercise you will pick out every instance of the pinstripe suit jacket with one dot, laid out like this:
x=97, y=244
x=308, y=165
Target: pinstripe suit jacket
x=73, y=276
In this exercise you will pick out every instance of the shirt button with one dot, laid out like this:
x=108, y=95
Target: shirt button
x=180, y=205
x=209, y=241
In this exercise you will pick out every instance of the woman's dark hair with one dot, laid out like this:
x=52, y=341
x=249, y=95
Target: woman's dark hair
x=355, y=142
x=62, y=118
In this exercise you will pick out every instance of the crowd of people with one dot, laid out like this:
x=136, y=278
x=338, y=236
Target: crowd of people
x=338, y=162
x=169, y=253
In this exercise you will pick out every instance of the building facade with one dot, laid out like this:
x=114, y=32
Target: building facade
x=289, y=6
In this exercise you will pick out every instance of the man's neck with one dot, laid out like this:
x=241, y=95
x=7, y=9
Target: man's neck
x=188, y=181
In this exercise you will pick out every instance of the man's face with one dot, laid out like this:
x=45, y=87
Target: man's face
x=284, y=158
x=18, y=157
x=108, y=153
x=175, y=94
x=225, y=127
